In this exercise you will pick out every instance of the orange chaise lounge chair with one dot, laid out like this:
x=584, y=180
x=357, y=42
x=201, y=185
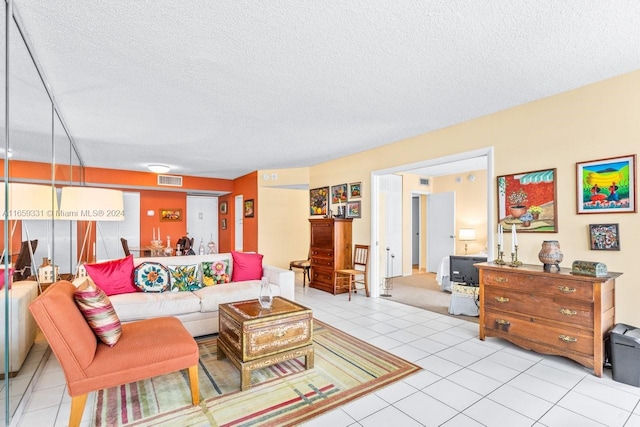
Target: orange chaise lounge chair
x=145, y=349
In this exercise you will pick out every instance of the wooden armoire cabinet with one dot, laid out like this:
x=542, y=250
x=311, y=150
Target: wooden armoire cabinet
x=330, y=251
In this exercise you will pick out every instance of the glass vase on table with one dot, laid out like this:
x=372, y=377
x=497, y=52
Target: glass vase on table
x=266, y=298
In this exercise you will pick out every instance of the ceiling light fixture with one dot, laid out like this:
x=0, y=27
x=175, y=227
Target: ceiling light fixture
x=157, y=168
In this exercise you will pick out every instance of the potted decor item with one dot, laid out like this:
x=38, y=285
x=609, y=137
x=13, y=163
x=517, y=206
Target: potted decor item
x=550, y=254
x=517, y=200
x=535, y=211
x=526, y=219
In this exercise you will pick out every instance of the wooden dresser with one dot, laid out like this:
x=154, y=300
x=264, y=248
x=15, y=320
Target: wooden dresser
x=330, y=251
x=549, y=312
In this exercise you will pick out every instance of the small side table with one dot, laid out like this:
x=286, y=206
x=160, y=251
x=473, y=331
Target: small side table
x=253, y=338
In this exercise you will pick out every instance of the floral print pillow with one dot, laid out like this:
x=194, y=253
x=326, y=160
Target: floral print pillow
x=151, y=277
x=184, y=278
x=215, y=272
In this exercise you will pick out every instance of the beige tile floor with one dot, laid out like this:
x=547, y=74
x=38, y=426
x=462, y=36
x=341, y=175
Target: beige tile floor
x=464, y=381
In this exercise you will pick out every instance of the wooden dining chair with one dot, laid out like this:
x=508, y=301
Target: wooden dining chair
x=356, y=277
x=125, y=246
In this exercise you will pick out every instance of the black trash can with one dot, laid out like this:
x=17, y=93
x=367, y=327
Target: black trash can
x=625, y=354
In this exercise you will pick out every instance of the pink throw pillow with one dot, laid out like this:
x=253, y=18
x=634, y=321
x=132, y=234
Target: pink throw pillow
x=113, y=277
x=246, y=266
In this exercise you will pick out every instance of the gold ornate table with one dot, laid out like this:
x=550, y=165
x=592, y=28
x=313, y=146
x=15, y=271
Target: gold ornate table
x=252, y=337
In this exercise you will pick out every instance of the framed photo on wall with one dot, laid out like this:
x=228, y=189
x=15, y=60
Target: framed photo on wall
x=528, y=201
x=355, y=190
x=604, y=237
x=319, y=201
x=223, y=224
x=223, y=208
x=249, y=208
x=354, y=209
x=607, y=185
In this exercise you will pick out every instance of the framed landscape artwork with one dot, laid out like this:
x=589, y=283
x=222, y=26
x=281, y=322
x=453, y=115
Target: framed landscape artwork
x=607, y=185
x=318, y=201
x=528, y=201
x=604, y=237
x=170, y=214
x=223, y=208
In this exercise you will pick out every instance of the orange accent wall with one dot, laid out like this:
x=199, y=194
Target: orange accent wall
x=156, y=200
x=247, y=186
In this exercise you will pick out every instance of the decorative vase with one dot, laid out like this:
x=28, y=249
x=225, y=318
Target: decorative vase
x=550, y=254
x=265, y=298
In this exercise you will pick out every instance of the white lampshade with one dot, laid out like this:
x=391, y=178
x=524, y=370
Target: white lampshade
x=91, y=204
x=29, y=201
x=467, y=234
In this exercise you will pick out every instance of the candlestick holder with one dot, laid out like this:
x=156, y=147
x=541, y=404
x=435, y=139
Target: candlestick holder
x=514, y=258
x=500, y=260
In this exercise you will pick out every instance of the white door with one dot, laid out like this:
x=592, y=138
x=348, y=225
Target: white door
x=415, y=230
x=239, y=211
x=202, y=221
x=440, y=228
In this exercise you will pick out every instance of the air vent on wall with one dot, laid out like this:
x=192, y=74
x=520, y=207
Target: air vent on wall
x=170, y=180
x=424, y=181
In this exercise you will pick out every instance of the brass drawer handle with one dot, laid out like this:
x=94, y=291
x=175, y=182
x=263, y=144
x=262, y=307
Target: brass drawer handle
x=567, y=338
x=502, y=322
x=568, y=312
x=502, y=299
x=501, y=280
x=566, y=289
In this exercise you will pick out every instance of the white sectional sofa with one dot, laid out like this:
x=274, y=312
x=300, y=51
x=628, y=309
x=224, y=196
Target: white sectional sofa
x=22, y=330
x=198, y=309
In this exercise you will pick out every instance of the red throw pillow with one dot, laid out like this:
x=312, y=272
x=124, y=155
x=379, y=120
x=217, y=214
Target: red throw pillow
x=246, y=266
x=113, y=277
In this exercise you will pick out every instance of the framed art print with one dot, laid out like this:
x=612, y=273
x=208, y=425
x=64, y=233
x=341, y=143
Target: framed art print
x=223, y=224
x=319, y=201
x=528, y=201
x=338, y=194
x=249, y=208
x=354, y=209
x=607, y=185
x=604, y=237
x=170, y=214
x=223, y=208
x=355, y=190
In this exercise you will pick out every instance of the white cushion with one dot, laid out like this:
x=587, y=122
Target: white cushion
x=213, y=296
x=143, y=305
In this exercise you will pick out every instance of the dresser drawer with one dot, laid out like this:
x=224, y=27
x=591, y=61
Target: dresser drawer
x=560, y=309
x=553, y=335
x=322, y=275
x=321, y=253
x=540, y=285
x=322, y=262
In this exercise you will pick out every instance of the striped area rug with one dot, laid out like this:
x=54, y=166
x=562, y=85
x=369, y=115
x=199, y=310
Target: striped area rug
x=285, y=394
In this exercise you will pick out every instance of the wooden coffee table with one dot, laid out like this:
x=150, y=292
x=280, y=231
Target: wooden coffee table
x=252, y=337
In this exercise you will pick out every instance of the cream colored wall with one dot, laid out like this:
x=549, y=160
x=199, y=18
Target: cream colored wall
x=471, y=206
x=283, y=216
x=410, y=185
x=593, y=122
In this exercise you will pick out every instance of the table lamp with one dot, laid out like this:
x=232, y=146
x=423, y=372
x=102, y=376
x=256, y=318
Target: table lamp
x=28, y=202
x=466, y=235
x=91, y=204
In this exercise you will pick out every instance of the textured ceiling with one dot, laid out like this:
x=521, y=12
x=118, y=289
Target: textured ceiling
x=222, y=88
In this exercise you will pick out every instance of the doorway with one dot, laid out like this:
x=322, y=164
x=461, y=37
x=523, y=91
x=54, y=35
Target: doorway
x=432, y=167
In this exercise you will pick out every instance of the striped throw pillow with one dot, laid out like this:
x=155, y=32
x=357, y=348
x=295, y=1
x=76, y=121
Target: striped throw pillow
x=99, y=313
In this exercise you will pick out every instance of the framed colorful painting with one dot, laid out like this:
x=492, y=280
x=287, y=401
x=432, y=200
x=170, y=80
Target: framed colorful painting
x=355, y=190
x=528, y=201
x=354, y=209
x=604, y=237
x=607, y=185
x=249, y=208
x=170, y=214
x=318, y=201
x=338, y=194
